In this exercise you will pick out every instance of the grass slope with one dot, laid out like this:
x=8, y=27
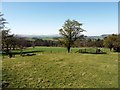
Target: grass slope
x=61, y=70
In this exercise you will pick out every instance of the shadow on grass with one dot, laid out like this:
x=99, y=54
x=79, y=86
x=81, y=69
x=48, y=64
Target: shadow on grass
x=5, y=85
x=24, y=52
x=87, y=51
x=93, y=53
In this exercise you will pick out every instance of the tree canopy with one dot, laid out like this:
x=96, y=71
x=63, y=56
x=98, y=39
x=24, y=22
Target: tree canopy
x=70, y=31
x=113, y=42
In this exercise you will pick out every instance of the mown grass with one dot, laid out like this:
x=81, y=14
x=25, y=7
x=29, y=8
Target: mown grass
x=58, y=69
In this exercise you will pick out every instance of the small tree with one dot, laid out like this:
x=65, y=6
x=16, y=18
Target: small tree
x=6, y=37
x=109, y=41
x=116, y=44
x=71, y=31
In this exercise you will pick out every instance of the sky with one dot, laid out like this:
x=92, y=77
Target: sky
x=46, y=18
x=60, y=0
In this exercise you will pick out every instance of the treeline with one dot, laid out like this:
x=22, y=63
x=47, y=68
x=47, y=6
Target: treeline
x=12, y=42
x=111, y=41
x=41, y=42
x=88, y=42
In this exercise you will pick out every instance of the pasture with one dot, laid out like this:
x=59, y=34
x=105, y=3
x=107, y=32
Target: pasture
x=53, y=67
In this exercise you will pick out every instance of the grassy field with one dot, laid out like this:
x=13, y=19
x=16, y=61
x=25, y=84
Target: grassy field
x=54, y=68
x=41, y=49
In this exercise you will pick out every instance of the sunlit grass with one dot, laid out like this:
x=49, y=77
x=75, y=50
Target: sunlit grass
x=58, y=69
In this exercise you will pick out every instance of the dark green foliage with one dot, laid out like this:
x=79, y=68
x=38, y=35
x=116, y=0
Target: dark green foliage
x=113, y=42
x=91, y=51
x=87, y=42
x=2, y=22
x=41, y=42
x=6, y=38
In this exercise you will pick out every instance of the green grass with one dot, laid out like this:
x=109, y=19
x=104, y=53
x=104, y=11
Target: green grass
x=44, y=50
x=58, y=69
x=56, y=50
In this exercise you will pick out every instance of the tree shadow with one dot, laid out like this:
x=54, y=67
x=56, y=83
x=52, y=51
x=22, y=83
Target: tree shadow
x=28, y=53
x=85, y=51
x=93, y=53
x=5, y=85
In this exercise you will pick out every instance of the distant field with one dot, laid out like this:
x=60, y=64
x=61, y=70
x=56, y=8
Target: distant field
x=53, y=67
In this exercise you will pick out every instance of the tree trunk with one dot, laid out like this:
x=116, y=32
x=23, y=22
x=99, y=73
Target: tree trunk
x=21, y=52
x=7, y=48
x=68, y=48
x=9, y=53
x=13, y=47
x=110, y=49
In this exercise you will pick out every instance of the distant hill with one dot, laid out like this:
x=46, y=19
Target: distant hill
x=99, y=37
x=48, y=37
x=38, y=36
